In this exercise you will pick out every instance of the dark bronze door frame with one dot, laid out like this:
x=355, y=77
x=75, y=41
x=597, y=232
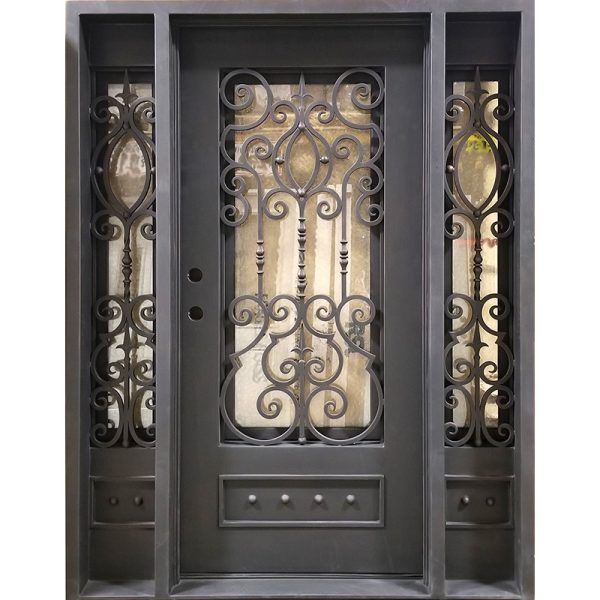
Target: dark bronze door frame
x=169, y=492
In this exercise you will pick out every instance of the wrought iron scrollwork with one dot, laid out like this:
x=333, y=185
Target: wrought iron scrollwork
x=479, y=359
x=308, y=374
x=122, y=362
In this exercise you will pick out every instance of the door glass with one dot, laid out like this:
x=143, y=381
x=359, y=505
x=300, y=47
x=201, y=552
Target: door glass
x=302, y=213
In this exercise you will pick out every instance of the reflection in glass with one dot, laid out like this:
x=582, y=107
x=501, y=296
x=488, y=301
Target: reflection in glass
x=478, y=183
x=123, y=224
x=305, y=209
x=128, y=175
x=477, y=173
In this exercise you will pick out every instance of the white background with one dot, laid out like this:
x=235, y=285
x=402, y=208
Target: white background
x=32, y=299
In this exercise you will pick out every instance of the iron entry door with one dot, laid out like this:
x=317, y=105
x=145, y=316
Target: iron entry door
x=301, y=299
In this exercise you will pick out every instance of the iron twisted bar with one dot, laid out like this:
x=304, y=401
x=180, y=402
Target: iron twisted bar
x=472, y=379
x=301, y=378
x=122, y=372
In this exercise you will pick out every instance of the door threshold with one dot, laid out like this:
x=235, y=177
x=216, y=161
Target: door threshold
x=132, y=588
x=285, y=588
x=274, y=588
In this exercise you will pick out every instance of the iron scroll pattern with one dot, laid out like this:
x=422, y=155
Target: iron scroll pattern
x=478, y=321
x=122, y=361
x=302, y=376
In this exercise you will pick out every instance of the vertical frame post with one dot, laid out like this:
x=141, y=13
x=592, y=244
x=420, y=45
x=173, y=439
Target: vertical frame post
x=434, y=278
x=166, y=302
x=78, y=302
x=524, y=305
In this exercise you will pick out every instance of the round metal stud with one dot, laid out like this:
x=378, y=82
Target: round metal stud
x=113, y=500
x=252, y=499
x=465, y=500
x=504, y=167
x=285, y=498
x=99, y=170
x=279, y=160
x=449, y=168
x=490, y=501
x=324, y=160
x=138, y=500
x=350, y=498
x=318, y=498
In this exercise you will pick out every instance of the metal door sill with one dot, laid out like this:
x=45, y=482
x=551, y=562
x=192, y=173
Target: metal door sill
x=134, y=588
x=300, y=587
x=467, y=589
x=271, y=588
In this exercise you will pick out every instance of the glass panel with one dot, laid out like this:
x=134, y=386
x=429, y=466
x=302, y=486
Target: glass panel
x=478, y=182
x=477, y=173
x=302, y=181
x=123, y=184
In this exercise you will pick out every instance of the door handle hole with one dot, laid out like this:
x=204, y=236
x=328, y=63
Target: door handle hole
x=195, y=313
x=194, y=275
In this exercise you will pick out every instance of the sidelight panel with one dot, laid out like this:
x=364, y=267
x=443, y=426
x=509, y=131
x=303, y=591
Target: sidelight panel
x=123, y=183
x=479, y=225
x=301, y=180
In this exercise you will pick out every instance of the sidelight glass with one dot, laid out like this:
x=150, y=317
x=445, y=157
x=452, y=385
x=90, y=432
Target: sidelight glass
x=479, y=174
x=123, y=227
x=302, y=220
x=476, y=171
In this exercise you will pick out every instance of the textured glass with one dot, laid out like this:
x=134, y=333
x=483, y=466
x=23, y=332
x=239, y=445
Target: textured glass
x=303, y=201
x=123, y=224
x=477, y=172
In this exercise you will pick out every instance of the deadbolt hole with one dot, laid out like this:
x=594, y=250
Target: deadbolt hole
x=195, y=313
x=195, y=275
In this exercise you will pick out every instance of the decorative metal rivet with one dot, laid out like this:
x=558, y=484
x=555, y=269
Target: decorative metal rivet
x=324, y=160
x=301, y=192
x=153, y=170
x=450, y=168
x=350, y=498
x=279, y=160
x=504, y=167
x=465, y=500
x=113, y=500
x=490, y=501
x=285, y=498
x=99, y=170
x=138, y=500
x=318, y=498
x=251, y=499
x=301, y=126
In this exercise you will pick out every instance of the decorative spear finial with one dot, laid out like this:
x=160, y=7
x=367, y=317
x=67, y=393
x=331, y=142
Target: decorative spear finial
x=127, y=95
x=477, y=90
x=302, y=93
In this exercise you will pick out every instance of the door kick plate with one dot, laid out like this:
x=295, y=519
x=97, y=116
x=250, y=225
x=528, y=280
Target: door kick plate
x=301, y=501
